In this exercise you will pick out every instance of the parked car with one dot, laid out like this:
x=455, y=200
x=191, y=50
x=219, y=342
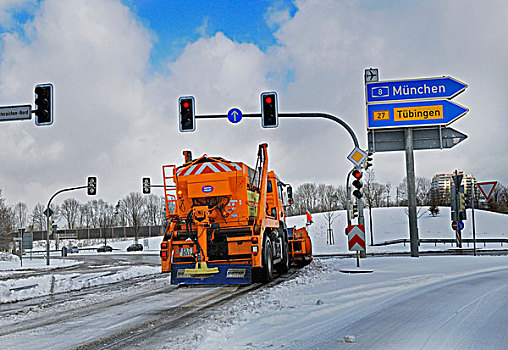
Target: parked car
x=104, y=248
x=135, y=247
x=73, y=249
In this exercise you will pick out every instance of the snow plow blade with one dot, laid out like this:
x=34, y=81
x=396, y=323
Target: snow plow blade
x=201, y=271
x=212, y=274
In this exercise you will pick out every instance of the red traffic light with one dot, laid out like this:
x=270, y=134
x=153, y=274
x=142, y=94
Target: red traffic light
x=357, y=174
x=186, y=104
x=268, y=99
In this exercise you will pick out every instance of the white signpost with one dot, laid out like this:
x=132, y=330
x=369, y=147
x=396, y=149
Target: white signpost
x=15, y=113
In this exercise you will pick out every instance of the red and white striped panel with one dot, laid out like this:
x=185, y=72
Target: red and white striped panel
x=209, y=168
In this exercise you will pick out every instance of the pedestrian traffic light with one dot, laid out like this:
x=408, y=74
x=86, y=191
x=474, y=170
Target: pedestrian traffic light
x=92, y=185
x=146, y=185
x=367, y=163
x=269, y=111
x=357, y=183
x=44, y=104
x=187, y=114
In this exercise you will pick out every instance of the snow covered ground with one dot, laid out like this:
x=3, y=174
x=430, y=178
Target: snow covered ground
x=448, y=302
x=388, y=224
x=417, y=303
x=392, y=224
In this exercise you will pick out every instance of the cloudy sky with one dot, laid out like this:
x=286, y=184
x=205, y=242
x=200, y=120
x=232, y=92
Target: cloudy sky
x=118, y=68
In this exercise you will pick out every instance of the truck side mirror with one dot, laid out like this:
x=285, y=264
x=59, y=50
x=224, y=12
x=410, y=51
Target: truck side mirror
x=290, y=195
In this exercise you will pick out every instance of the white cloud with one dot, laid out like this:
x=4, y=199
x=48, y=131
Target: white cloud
x=115, y=121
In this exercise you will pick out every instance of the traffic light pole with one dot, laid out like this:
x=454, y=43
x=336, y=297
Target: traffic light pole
x=48, y=216
x=293, y=115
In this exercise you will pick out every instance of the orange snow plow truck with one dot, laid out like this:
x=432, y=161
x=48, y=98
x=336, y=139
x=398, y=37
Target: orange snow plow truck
x=228, y=225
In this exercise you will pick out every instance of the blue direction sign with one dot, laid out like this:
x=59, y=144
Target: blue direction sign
x=234, y=115
x=413, y=114
x=414, y=89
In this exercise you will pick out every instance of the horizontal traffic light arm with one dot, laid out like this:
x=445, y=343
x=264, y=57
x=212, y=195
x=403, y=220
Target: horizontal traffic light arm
x=292, y=115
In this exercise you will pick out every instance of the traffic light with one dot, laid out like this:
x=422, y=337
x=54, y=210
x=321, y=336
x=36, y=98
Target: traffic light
x=462, y=202
x=353, y=211
x=146, y=185
x=269, y=111
x=44, y=104
x=462, y=206
x=367, y=163
x=92, y=185
x=187, y=114
x=357, y=183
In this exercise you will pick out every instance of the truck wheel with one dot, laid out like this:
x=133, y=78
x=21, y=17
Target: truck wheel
x=283, y=266
x=264, y=274
x=268, y=268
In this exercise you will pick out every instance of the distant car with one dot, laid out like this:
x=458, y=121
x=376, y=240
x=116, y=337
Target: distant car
x=135, y=247
x=73, y=250
x=104, y=248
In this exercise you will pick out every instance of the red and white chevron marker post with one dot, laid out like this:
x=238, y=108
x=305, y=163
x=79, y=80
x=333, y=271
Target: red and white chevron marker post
x=356, y=240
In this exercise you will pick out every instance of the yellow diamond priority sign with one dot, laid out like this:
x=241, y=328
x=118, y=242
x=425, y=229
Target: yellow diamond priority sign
x=357, y=156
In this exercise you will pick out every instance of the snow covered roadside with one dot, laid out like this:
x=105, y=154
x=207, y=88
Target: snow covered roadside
x=10, y=264
x=301, y=312
x=53, y=282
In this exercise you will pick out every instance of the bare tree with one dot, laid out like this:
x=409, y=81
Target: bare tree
x=85, y=215
x=306, y=197
x=328, y=199
x=133, y=205
x=69, y=210
x=154, y=206
x=38, y=218
x=422, y=189
x=6, y=224
x=20, y=214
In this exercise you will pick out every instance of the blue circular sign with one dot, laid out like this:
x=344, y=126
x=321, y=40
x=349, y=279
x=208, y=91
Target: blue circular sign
x=460, y=225
x=234, y=115
x=207, y=189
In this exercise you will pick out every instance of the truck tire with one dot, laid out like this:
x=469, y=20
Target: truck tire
x=268, y=265
x=283, y=266
x=264, y=274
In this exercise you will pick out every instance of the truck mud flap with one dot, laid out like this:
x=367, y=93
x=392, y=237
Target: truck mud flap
x=228, y=274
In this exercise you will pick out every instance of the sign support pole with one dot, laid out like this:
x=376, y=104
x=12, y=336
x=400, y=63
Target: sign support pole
x=472, y=213
x=411, y=189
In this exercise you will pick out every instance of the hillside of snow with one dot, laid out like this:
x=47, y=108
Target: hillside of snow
x=393, y=223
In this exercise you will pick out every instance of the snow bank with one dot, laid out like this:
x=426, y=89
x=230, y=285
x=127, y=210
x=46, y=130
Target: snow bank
x=25, y=288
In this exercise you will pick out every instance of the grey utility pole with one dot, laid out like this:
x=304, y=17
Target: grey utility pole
x=411, y=192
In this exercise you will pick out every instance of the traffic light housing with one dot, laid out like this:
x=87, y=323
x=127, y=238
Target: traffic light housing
x=146, y=185
x=462, y=206
x=44, y=104
x=367, y=163
x=269, y=110
x=92, y=186
x=187, y=115
x=353, y=211
x=357, y=183
x=462, y=202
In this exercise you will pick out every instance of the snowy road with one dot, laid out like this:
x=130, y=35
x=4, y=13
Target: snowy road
x=425, y=303
x=446, y=302
x=466, y=312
